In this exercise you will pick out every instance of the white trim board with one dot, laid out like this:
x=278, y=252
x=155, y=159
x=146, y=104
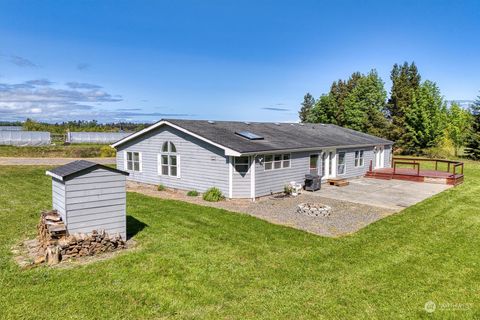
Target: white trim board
x=53, y=175
x=230, y=177
x=252, y=178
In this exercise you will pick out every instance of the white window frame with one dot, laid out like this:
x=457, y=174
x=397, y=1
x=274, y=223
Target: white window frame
x=359, y=161
x=344, y=163
x=169, y=154
x=282, y=161
x=125, y=161
x=241, y=164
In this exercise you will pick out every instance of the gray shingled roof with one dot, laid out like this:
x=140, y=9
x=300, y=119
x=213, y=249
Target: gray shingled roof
x=277, y=136
x=77, y=167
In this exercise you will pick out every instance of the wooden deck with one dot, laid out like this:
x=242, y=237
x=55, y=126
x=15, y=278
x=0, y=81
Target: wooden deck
x=453, y=175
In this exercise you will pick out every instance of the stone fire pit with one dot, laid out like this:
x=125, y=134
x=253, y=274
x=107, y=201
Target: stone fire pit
x=314, y=209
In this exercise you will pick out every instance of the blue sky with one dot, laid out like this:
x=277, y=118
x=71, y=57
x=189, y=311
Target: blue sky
x=236, y=60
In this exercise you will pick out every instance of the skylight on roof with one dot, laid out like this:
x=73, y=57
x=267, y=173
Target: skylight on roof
x=249, y=135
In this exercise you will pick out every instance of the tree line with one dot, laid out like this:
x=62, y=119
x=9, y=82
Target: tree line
x=80, y=125
x=414, y=115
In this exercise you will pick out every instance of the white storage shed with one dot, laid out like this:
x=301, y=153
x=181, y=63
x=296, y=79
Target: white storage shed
x=90, y=196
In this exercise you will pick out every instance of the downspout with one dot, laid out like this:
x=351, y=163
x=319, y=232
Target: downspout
x=252, y=177
x=230, y=177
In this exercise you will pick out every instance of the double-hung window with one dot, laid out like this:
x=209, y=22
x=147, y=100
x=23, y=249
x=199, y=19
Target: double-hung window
x=276, y=161
x=341, y=163
x=359, y=160
x=133, y=161
x=168, y=160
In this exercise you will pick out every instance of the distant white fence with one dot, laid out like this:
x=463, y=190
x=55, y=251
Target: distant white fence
x=96, y=137
x=25, y=138
x=11, y=128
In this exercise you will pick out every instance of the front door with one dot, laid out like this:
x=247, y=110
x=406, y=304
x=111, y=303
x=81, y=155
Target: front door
x=379, y=153
x=329, y=159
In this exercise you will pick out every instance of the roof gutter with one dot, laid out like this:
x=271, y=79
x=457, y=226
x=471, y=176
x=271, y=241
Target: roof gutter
x=312, y=148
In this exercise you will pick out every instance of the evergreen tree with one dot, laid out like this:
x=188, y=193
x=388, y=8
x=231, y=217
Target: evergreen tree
x=473, y=145
x=356, y=103
x=425, y=119
x=307, y=105
x=405, y=82
x=364, y=105
x=339, y=92
x=459, y=125
x=322, y=111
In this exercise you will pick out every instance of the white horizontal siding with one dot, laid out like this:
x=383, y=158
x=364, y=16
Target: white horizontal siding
x=110, y=227
x=97, y=210
x=92, y=192
x=93, y=180
x=241, y=187
x=273, y=181
x=96, y=201
x=95, y=223
x=95, y=186
x=96, y=198
x=58, y=197
x=350, y=170
x=93, y=217
x=202, y=165
x=388, y=157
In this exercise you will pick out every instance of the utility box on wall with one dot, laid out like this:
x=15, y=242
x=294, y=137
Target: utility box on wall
x=90, y=196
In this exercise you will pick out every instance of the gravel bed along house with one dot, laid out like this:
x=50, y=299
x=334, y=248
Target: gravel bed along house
x=345, y=217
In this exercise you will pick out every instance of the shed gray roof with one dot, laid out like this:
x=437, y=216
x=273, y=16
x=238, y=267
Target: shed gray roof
x=276, y=136
x=78, y=167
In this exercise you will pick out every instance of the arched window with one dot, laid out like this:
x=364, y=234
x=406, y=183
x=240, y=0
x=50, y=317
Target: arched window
x=168, y=160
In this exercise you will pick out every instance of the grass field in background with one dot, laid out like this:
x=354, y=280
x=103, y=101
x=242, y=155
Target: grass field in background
x=61, y=151
x=198, y=262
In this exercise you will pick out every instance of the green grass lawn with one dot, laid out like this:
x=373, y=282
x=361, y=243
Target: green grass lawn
x=67, y=151
x=197, y=262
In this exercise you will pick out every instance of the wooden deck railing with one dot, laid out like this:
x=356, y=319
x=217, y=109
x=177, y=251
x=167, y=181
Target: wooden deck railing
x=416, y=164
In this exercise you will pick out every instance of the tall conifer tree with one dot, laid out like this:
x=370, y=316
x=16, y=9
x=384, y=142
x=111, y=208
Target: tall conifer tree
x=307, y=105
x=405, y=81
x=473, y=145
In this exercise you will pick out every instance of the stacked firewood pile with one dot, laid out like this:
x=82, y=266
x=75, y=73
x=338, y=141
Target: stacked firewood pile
x=80, y=245
x=50, y=228
x=57, y=245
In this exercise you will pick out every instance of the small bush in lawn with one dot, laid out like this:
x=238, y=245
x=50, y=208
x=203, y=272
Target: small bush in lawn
x=192, y=193
x=287, y=189
x=161, y=187
x=213, y=195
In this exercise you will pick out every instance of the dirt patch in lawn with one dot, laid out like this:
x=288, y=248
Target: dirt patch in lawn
x=345, y=217
x=25, y=253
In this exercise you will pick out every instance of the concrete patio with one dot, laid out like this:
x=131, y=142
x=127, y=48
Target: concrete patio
x=390, y=194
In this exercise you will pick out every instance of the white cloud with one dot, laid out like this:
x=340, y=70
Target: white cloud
x=41, y=100
x=36, y=110
x=38, y=97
